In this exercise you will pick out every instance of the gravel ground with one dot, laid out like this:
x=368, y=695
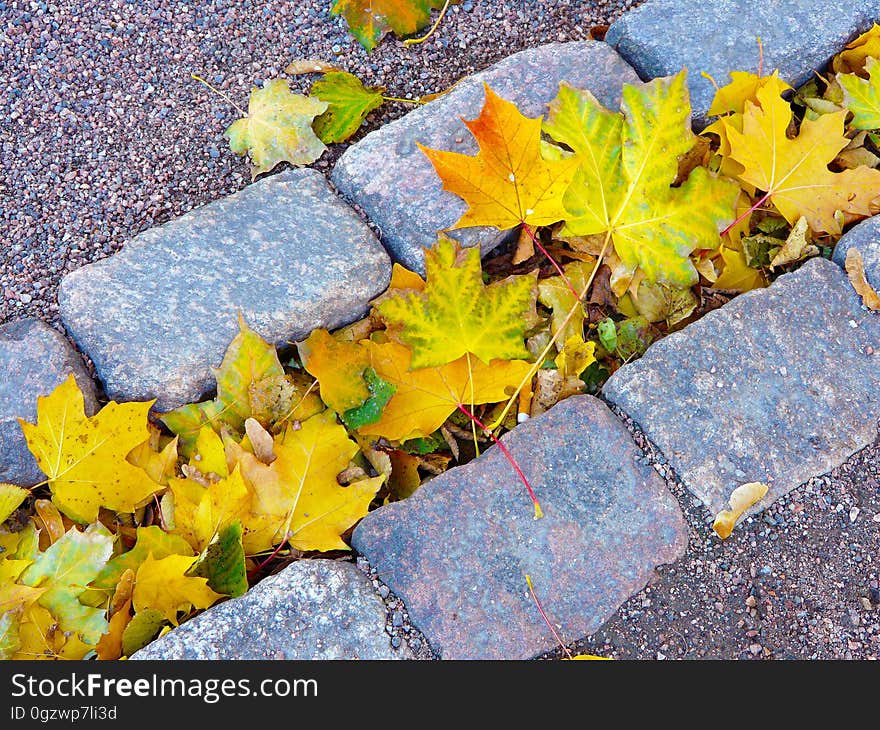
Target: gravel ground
x=103, y=134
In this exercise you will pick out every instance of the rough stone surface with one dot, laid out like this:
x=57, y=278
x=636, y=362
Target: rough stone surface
x=34, y=360
x=457, y=551
x=395, y=184
x=718, y=37
x=866, y=238
x=780, y=385
x=285, y=252
x=313, y=609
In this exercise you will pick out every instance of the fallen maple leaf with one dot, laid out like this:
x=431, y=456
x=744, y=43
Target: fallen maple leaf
x=250, y=369
x=297, y=498
x=628, y=163
x=64, y=571
x=737, y=274
x=862, y=96
x=743, y=497
x=855, y=270
x=555, y=293
x=149, y=540
x=852, y=58
x=508, y=182
x=348, y=103
x=86, y=458
x=164, y=586
x=426, y=397
x=457, y=313
x=793, y=173
x=278, y=128
x=370, y=20
x=11, y=498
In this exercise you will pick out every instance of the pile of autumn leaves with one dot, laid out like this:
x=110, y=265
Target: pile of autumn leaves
x=138, y=527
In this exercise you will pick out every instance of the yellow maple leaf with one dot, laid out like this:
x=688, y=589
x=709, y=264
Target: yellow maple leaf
x=457, y=313
x=737, y=274
x=426, y=397
x=11, y=498
x=297, y=495
x=211, y=497
x=852, y=58
x=277, y=128
x=339, y=368
x=508, y=182
x=163, y=585
x=793, y=173
x=41, y=638
x=86, y=458
x=555, y=292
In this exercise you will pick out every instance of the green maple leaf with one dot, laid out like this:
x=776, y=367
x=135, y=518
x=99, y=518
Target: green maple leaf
x=458, y=314
x=278, y=128
x=64, y=571
x=862, y=96
x=623, y=186
x=370, y=20
x=348, y=103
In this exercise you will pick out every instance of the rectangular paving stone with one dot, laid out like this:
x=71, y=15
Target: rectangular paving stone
x=394, y=183
x=777, y=386
x=799, y=36
x=313, y=609
x=34, y=360
x=285, y=252
x=457, y=551
x=865, y=237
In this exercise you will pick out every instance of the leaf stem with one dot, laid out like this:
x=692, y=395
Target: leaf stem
x=414, y=41
x=219, y=93
x=539, y=513
x=747, y=213
x=540, y=360
x=546, y=620
x=403, y=101
x=553, y=261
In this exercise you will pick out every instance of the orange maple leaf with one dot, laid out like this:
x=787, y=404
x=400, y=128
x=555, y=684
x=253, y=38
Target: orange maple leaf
x=508, y=182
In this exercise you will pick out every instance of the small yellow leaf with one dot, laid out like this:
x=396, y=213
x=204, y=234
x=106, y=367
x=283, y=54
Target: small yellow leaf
x=855, y=270
x=737, y=275
x=403, y=278
x=164, y=586
x=10, y=499
x=852, y=58
x=576, y=356
x=261, y=441
x=339, y=368
x=743, y=497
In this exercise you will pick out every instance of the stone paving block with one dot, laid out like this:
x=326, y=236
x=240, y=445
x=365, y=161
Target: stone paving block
x=457, y=551
x=285, y=252
x=395, y=184
x=34, y=360
x=777, y=386
x=865, y=237
x=313, y=609
x=661, y=36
